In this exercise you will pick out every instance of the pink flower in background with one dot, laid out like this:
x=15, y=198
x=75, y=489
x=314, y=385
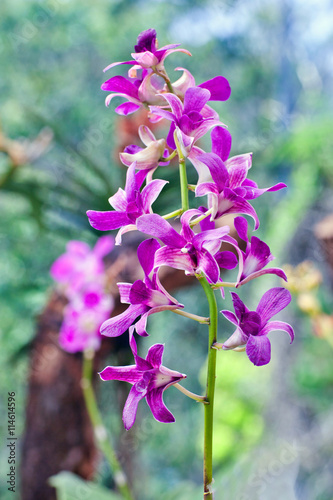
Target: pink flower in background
x=81, y=273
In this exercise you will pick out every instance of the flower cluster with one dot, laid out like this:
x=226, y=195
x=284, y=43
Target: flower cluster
x=81, y=276
x=199, y=247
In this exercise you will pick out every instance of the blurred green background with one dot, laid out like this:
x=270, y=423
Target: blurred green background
x=274, y=425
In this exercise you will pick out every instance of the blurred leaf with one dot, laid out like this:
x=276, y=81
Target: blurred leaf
x=71, y=487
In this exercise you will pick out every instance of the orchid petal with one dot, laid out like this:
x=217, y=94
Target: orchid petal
x=226, y=259
x=217, y=169
x=221, y=142
x=255, y=192
x=184, y=82
x=158, y=227
x=239, y=306
x=150, y=193
x=195, y=99
x=117, y=325
x=272, y=302
x=238, y=338
x=157, y=406
x=146, y=135
x=116, y=64
x=241, y=227
x=258, y=350
x=278, y=325
x=175, y=258
x=106, y=221
x=127, y=108
x=155, y=354
x=128, y=374
x=137, y=393
x=218, y=87
x=124, y=292
x=146, y=254
x=273, y=270
x=175, y=104
x=230, y=317
x=121, y=84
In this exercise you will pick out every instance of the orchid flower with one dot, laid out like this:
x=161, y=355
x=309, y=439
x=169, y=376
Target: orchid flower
x=226, y=194
x=256, y=256
x=145, y=297
x=149, y=157
x=81, y=264
x=129, y=204
x=82, y=318
x=149, y=379
x=254, y=326
x=191, y=119
x=193, y=253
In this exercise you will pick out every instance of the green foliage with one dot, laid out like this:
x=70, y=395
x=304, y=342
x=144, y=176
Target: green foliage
x=71, y=487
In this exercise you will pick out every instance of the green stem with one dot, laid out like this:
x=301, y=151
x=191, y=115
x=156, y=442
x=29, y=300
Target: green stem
x=210, y=390
x=189, y=394
x=196, y=221
x=199, y=319
x=224, y=285
x=173, y=214
x=182, y=175
x=99, y=429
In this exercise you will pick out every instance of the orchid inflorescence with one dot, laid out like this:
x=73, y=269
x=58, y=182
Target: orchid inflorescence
x=199, y=247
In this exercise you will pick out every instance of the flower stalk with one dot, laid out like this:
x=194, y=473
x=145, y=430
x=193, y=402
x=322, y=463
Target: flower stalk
x=210, y=391
x=99, y=429
x=189, y=394
x=199, y=319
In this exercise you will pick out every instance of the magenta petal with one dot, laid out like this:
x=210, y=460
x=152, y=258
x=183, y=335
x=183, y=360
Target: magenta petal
x=279, y=325
x=120, y=84
x=258, y=350
x=231, y=203
x=146, y=254
x=128, y=374
x=221, y=142
x=273, y=270
x=218, y=87
x=272, y=302
x=106, y=221
x=254, y=192
x=124, y=292
x=157, y=406
x=131, y=405
x=139, y=293
x=141, y=325
x=237, y=339
x=195, y=98
x=206, y=188
x=208, y=265
x=117, y=325
x=103, y=246
x=155, y=354
x=230, y=317
x=176, y=105
x=158, y=227
x=127, y=108
x=210, y=235
x=226, y=259
x=173, y=257
x=217, y=169
x=240, y=224
x=150, y=193
x=62, y=269
x=239, y=306
x=162, y=113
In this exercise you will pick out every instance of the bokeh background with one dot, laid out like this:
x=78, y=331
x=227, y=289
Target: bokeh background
x=58, y=158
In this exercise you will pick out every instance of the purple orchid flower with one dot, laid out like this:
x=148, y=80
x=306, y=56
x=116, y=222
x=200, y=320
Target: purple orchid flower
x=149, y=379
x=226, y=194
x=191, y=119
x=149, y=157
x=254, y=326
x=147, y=54
x=190, y=252
x=256, y=256
x=145, y=297
x=81, y=264
x=129, y=204
x=140, y=90
x=82, y=318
